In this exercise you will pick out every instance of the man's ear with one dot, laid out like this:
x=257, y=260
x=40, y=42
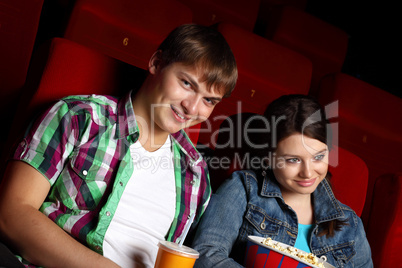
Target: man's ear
x=155, y=62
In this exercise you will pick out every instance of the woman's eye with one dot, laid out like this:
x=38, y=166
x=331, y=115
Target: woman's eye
x=319, y=157
x=293, y=160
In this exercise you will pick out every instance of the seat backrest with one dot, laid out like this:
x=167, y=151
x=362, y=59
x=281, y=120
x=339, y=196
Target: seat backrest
x=384, y=230
x=19, y=21
x=369, y=124
x=349, y=178
x=324, y=44
x=208, y=12
x=266, y=71
x=128, y=30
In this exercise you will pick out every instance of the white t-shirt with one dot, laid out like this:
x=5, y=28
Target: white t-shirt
x=146, y=209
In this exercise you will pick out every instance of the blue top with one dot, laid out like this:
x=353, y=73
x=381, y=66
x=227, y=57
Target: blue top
x=245, y=205
x=303, y=236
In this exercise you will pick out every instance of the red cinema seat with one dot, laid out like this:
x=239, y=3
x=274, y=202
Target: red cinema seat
x=266, y=71
x=19, y=22
x=208, y=12
x=370, y=125
x=349, y=178
x=268, y=9
x=128, y=30
x=384, y=231
x=324, y=44
x=242, y=144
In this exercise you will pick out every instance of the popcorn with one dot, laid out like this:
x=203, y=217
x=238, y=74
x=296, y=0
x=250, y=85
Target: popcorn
x=309, y=258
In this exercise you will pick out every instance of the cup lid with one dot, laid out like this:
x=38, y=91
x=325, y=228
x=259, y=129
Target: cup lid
x=177, y=249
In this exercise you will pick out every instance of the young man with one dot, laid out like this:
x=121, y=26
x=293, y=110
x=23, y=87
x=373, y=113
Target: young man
x=98, y=181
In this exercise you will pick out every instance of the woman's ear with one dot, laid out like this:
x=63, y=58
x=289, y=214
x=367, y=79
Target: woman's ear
x=155, y=62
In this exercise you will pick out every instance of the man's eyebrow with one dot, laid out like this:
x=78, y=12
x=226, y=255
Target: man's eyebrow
x=196, y=85
x=190, y=79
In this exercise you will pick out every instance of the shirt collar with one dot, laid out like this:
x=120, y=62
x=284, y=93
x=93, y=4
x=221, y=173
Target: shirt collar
x=126, y=122
x=186, y=146
x=326, y=206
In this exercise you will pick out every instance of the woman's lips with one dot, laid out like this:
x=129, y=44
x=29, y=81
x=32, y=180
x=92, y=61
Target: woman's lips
x=306, y=183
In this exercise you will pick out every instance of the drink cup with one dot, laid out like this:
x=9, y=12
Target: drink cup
x=171, y=255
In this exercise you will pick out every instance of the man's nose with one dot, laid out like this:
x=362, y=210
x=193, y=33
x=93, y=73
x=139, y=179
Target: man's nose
x=190, y=105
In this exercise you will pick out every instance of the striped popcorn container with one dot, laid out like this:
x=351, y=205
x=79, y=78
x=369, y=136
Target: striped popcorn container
x=259, y=255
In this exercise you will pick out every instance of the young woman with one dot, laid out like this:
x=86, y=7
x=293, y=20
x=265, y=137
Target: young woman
x=291, y=201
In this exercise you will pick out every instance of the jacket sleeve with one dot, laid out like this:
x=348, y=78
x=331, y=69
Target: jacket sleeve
x=363, y=252
x=220, y=225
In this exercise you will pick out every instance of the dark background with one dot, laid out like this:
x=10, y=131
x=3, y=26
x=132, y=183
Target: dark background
x=374, y=52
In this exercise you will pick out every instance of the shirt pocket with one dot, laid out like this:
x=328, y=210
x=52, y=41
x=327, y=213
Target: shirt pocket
x=260, y=220
x=89, y=180
x=343, y=254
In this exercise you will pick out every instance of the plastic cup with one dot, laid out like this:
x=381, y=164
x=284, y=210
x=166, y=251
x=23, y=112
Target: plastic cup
x=171, y=255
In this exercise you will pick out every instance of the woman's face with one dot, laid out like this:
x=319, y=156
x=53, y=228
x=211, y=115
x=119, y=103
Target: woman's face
x=300, y=164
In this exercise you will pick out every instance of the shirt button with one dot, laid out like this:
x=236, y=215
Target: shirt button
x=263, y=225
x=121, y=183
x=108, y=213
x=192, y=182
x=84, y=172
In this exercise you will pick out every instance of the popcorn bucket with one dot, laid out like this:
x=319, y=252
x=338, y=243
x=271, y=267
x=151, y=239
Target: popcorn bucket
x=260, y=255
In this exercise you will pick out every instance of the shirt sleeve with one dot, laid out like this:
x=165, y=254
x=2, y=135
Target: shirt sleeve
x=49, y=141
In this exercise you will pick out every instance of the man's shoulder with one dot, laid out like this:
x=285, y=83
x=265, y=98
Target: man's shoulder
x=93, y=98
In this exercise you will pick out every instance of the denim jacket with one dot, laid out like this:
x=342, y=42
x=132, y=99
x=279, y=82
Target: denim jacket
x=245, y=205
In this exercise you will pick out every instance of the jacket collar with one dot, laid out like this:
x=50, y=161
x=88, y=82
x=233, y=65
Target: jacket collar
x=326, y=206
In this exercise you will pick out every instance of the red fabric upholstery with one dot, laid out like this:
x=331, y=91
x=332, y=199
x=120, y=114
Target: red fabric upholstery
x=266, y=71
x=349, y=178
x=208, y=12
x=324, y=44
x=19, y=22
x=369, y=124
x=384, y=230
x=128, y=30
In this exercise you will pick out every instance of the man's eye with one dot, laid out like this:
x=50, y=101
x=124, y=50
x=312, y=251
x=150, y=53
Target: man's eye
x=186, y=83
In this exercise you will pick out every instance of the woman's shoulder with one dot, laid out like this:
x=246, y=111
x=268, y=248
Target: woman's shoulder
x=350, y=215
x=246, y=179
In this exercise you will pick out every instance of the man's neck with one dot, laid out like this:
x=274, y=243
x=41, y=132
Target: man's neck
x=151, y=137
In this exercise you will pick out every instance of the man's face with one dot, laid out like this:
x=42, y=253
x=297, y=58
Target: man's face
x=179, y=98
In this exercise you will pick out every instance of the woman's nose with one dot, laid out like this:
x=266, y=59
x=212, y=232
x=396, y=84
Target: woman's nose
x=306, y=170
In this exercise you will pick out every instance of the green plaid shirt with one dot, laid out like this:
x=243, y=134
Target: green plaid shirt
x=81, y=145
